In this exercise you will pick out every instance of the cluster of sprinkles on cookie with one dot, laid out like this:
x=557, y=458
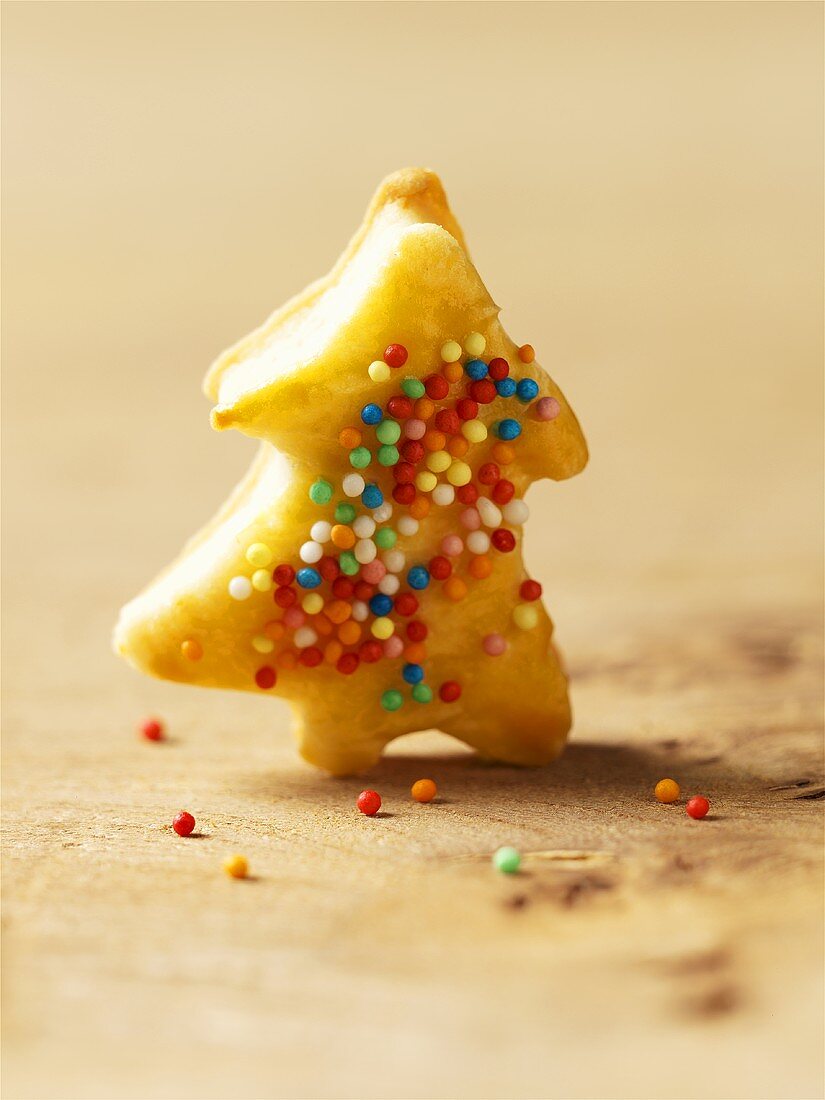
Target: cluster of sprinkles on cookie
x=352, y=594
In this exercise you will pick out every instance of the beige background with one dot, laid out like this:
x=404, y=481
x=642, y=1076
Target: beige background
x=641, y=188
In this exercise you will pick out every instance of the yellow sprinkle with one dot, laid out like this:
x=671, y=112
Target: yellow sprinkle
x=259, y=555
x=262, y=645
x=474, y=343
x=261, y=580
x=236, y=867
x=383, y=628
x=191, y=649
x=439, y=461
x=425, y=482
x=474, y=430
x=450, y=352
x=526, y=616
x=378, y=371
x=312, y=603
x=459, y=473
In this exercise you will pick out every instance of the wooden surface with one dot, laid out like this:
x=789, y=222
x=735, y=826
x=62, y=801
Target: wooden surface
x=170, y=175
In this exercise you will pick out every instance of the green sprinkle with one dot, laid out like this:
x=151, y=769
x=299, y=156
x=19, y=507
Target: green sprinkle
x=320, y=492
x=507, y=860
x=347, y=562
x=388, y=431
x=392, y=700
x=413, y=388
x=344, y=512
x=360, y=458
x=385, y=538
x=422, y=694
x=387, y=456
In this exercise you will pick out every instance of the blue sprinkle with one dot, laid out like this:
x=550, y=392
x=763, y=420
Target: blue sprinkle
x=476, y=368
x=506, y=387
x=308, y=578
x=509, y=429
x=372, y=414
x=413, y=674
x=381, y=605
x=527, y=389
x=372, y=497
x=418, y=577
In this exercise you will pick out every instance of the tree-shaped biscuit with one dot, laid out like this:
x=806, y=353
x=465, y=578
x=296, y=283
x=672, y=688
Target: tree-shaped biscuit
x=368, y=568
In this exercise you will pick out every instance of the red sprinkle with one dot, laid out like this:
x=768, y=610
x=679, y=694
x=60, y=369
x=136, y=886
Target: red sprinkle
x=466, y=408
x=440, y=568
x=152, y=729
x=503, y=540
x=369, y=803
x=395, y=355
x=311, y=656
x=412, y=451
x=530, y=590
x=467, y=494
x=400, y=406
x=348, y=663
x=417, y=631
x=403, y=494
x=285, y=597
x=697, y=807
x=283, y=574
x=329, y=568
x=343, y=588
x=364, y=591
x=370, y=652
x=406, y=604
x=404, y=473
x=449, y=691
x=183, y=823
x=436, y=386
x=498, y=369
x=503, y=491
x=484, y=391
x=265, y=677
x=489, y=473
x=447, y=421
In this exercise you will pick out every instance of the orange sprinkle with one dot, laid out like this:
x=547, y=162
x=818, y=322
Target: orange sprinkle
x=191, y=649
x=503, y=453
x=321, y=623
x=332, y=651
x=415, y=653
x=342, y=536
x=286, y=659
x=458, y=446
x=434, y=440
x=338, y=611
x=420, y=507
x=424, y=408
x=480, y=567
x=274, y=630
x=349, y=632
x=349, y=438
x=455, y=588
x=452, y=371
x=527, y=353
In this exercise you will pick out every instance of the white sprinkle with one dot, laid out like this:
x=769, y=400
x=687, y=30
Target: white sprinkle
x=305, y=636
x=320, y=531
x=311, y=552
x=360, y=610
x=478, y=542
x=443, y=495
x=364, y=527
x=365, y=551
x=490, y=515
x=516, y=512
x=240, y=588
x=394, y=561
x=382, y=514
x=389, y=584
x=353, y=485
x=407, y=525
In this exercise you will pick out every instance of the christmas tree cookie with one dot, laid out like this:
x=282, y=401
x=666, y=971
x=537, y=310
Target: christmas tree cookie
x=369, y=567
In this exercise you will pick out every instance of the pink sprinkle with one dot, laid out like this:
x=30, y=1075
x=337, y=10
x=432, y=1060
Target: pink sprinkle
x=471, y=519
x=414, y=429
x=393, y=647
x=374, y=571
x=494, y=645
x=294, y=617
x=547, y=409
x=452, y=546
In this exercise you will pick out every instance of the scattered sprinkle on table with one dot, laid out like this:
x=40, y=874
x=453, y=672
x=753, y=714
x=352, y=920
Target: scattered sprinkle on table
x=667, y=790
x=424, y=790
x=152, y=729
x=697, y=807
x=236, y=866
x=183, y=823
x=369, y=803
x=507, y=860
